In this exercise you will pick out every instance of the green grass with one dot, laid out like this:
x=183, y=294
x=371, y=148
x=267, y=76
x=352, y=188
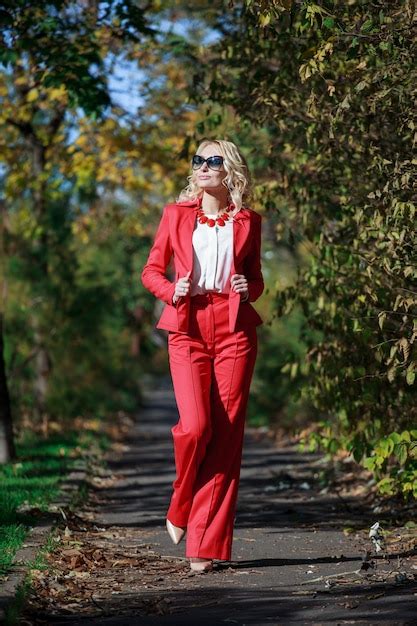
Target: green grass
x=40, y=562
x=34, y=481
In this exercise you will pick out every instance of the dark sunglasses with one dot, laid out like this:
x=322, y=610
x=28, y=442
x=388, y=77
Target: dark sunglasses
x=213, y=162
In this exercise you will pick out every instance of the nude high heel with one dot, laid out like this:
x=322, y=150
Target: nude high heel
x=198, y=564
x=175, y=532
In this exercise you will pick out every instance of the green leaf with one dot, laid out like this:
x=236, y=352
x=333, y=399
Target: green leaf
x=369, y=463
x=395, y=437
x=387, y=446
x=328, y=22
x=410, y=377
x=401, y=452
x=366, y=26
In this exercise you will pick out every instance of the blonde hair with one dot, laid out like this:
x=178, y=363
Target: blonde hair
x=237, y=179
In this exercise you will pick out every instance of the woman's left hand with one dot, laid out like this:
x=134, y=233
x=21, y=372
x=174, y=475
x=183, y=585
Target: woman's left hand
x=240, y=284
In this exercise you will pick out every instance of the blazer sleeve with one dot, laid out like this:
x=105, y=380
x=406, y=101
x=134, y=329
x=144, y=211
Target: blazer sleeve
x=153, y=273
x=252, y=262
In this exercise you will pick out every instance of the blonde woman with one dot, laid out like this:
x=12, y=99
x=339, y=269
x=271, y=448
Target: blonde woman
x=212, y=341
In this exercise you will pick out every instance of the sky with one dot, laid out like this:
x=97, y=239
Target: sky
x=125, y=81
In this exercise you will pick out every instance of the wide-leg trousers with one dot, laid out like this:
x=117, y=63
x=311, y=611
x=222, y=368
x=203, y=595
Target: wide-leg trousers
x=211, y=370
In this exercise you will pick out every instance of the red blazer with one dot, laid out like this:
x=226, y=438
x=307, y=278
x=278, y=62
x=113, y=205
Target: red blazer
x=174, y=237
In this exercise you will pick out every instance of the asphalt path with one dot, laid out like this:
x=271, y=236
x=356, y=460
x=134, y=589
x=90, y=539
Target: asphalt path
x=292, y=560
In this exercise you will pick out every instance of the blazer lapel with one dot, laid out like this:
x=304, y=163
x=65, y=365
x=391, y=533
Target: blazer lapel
x=240, y=234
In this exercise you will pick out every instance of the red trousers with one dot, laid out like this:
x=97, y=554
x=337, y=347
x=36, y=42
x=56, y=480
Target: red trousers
x=211, y=370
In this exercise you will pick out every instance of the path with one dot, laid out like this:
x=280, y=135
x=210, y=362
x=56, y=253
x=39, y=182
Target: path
x=117, y=564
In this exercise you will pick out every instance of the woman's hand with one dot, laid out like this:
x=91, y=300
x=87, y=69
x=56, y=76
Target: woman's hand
x=240, y=284
x=182, y=287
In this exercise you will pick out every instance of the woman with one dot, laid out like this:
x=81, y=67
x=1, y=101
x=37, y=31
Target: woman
x=212, y=341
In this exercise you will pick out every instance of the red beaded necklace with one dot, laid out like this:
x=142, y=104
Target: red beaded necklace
x=221, y=220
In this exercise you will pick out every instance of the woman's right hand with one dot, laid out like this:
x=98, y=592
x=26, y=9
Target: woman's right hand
x=182, y=287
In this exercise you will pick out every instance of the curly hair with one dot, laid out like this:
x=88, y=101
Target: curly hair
x=237, y=180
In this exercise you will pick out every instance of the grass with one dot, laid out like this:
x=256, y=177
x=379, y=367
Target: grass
x=34, y=481
x=40, y=562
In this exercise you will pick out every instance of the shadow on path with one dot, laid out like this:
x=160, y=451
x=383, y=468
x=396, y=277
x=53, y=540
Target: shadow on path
x=287, y=534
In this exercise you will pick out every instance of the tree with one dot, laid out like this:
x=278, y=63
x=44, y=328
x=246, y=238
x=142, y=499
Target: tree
x=53, y=58
x=332, y=84
x=83, y=180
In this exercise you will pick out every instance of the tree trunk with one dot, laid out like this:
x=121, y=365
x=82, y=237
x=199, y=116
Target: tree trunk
x=42, y=373
x=7, y=447
x=42, y=361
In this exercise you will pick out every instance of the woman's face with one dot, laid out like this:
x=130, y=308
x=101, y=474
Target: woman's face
x=207, y=178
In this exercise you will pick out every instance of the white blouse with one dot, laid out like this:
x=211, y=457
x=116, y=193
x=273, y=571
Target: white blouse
x=213, y=252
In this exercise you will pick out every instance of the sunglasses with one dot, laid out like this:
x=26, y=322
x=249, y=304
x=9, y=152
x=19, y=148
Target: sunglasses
x=213, y=162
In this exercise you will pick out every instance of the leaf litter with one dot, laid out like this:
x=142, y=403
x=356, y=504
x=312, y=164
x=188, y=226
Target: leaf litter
x=398, y=548
x=93, y=571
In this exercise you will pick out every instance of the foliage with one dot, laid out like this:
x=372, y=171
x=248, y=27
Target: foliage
x=80, y=189
x=332, y=83
x=63, y=42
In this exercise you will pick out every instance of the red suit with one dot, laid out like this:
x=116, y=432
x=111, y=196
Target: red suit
x=212, y=347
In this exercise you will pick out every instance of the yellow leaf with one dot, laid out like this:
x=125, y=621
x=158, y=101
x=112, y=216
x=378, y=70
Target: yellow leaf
x=33, y=95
